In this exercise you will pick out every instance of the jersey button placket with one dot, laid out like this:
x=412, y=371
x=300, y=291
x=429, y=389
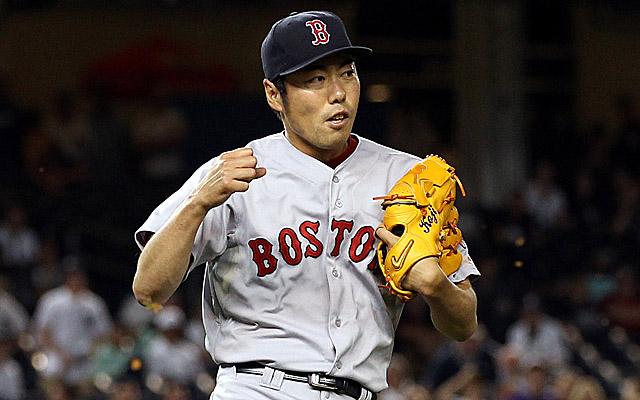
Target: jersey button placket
x=335, y=264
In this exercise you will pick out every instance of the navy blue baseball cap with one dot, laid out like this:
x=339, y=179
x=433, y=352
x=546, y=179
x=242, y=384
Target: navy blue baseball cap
x=303, y=38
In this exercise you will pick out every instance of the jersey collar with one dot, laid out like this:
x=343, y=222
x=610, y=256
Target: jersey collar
x=351, y=147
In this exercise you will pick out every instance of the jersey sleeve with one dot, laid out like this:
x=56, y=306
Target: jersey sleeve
x=467, y=268
x=211, y=238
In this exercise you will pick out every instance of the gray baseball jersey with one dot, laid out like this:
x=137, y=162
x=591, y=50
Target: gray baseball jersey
x=289, y=277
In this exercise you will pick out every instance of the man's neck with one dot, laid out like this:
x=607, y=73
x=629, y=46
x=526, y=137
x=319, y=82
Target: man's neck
x=352, y=143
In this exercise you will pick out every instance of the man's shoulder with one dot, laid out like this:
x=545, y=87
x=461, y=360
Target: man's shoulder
x=386, y=156
x=370, y=145
x=262, y=144
x=267, y=141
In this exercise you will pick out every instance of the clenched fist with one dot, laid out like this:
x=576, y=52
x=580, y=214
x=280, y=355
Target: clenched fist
x=232, y=173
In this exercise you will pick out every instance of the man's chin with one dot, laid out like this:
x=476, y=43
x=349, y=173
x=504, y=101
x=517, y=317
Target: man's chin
x=344, y=130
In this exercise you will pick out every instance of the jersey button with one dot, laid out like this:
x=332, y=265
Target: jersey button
x=334, y=272
x=338, y=365
x=338, y=322
x=339, y=203
x=336, y=179
x=327, y=395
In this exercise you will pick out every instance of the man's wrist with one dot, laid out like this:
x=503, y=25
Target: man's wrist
x=424, y=277
x=192, y=205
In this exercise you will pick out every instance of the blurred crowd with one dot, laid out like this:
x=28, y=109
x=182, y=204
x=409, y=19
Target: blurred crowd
x=558, y=300
x=559, y=296
x=68, y=171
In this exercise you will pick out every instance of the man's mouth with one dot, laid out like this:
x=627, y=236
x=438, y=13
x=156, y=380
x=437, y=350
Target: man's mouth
x=338, y=120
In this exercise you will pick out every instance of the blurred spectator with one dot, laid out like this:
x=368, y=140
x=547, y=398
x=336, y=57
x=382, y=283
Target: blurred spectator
x=169, y=355
x=600, y=278
x=19, y=243
x=588, y=198
x=19, y=247
x=537, y=338
x=57, y=390
x=474, y=354
x=134, y=317
x=537, y=386
x=13, y=323
x=545, y=200
x=194, y=330
x=47, y=272
x=158, y=132
x=70, y=320
x=564, y=382
x=513, y=222
x=70, y=128
x=14, y=318
x=176, y=391
x=12, y=385
x=127, y=389
x=113, y=357
x=402, y=386
x=44, y=162
x=587, y=388
x=497, y=307
x=510, y=372
x=630, y=388
x=416, y=337
x=466, y=384
x=622, y=307
x=585, y=292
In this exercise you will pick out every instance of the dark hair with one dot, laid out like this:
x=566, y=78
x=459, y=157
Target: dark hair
x=282, y=88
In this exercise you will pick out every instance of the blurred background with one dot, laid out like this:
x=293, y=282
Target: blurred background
x=107, y=106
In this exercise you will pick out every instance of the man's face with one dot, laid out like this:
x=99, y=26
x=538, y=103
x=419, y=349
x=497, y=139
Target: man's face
x=320, y=106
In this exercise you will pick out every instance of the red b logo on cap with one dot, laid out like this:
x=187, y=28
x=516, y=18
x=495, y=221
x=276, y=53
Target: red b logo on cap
x=319, y=30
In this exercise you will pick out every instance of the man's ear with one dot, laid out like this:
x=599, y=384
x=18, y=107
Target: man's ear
x=274, y=97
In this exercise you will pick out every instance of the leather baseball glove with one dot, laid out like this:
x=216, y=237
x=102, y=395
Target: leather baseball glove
x=420, y=210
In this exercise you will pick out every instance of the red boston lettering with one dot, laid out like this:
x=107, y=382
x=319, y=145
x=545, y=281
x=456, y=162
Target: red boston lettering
x=367, y=245
x=309, y=230
x=265, y=261
x=341, y=226
x=285, y=248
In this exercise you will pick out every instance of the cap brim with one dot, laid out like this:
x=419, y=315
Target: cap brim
x=357, y=51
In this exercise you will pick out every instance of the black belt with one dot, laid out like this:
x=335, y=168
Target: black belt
x=317, y=381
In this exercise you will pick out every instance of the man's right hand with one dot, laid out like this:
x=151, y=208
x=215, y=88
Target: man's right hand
x=232, y=173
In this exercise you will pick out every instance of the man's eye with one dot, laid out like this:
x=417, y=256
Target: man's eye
x=317, y=79
x=350, y=73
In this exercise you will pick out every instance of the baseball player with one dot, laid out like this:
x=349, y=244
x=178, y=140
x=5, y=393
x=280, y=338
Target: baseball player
x=287, y=227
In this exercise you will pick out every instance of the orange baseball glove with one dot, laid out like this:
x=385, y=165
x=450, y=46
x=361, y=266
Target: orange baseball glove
x=420, y=210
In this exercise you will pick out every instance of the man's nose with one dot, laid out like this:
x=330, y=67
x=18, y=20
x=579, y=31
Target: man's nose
x=337, y=93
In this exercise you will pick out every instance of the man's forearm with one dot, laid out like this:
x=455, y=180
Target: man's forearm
x=453, y=306
x=454, y=312
x=165, y=258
